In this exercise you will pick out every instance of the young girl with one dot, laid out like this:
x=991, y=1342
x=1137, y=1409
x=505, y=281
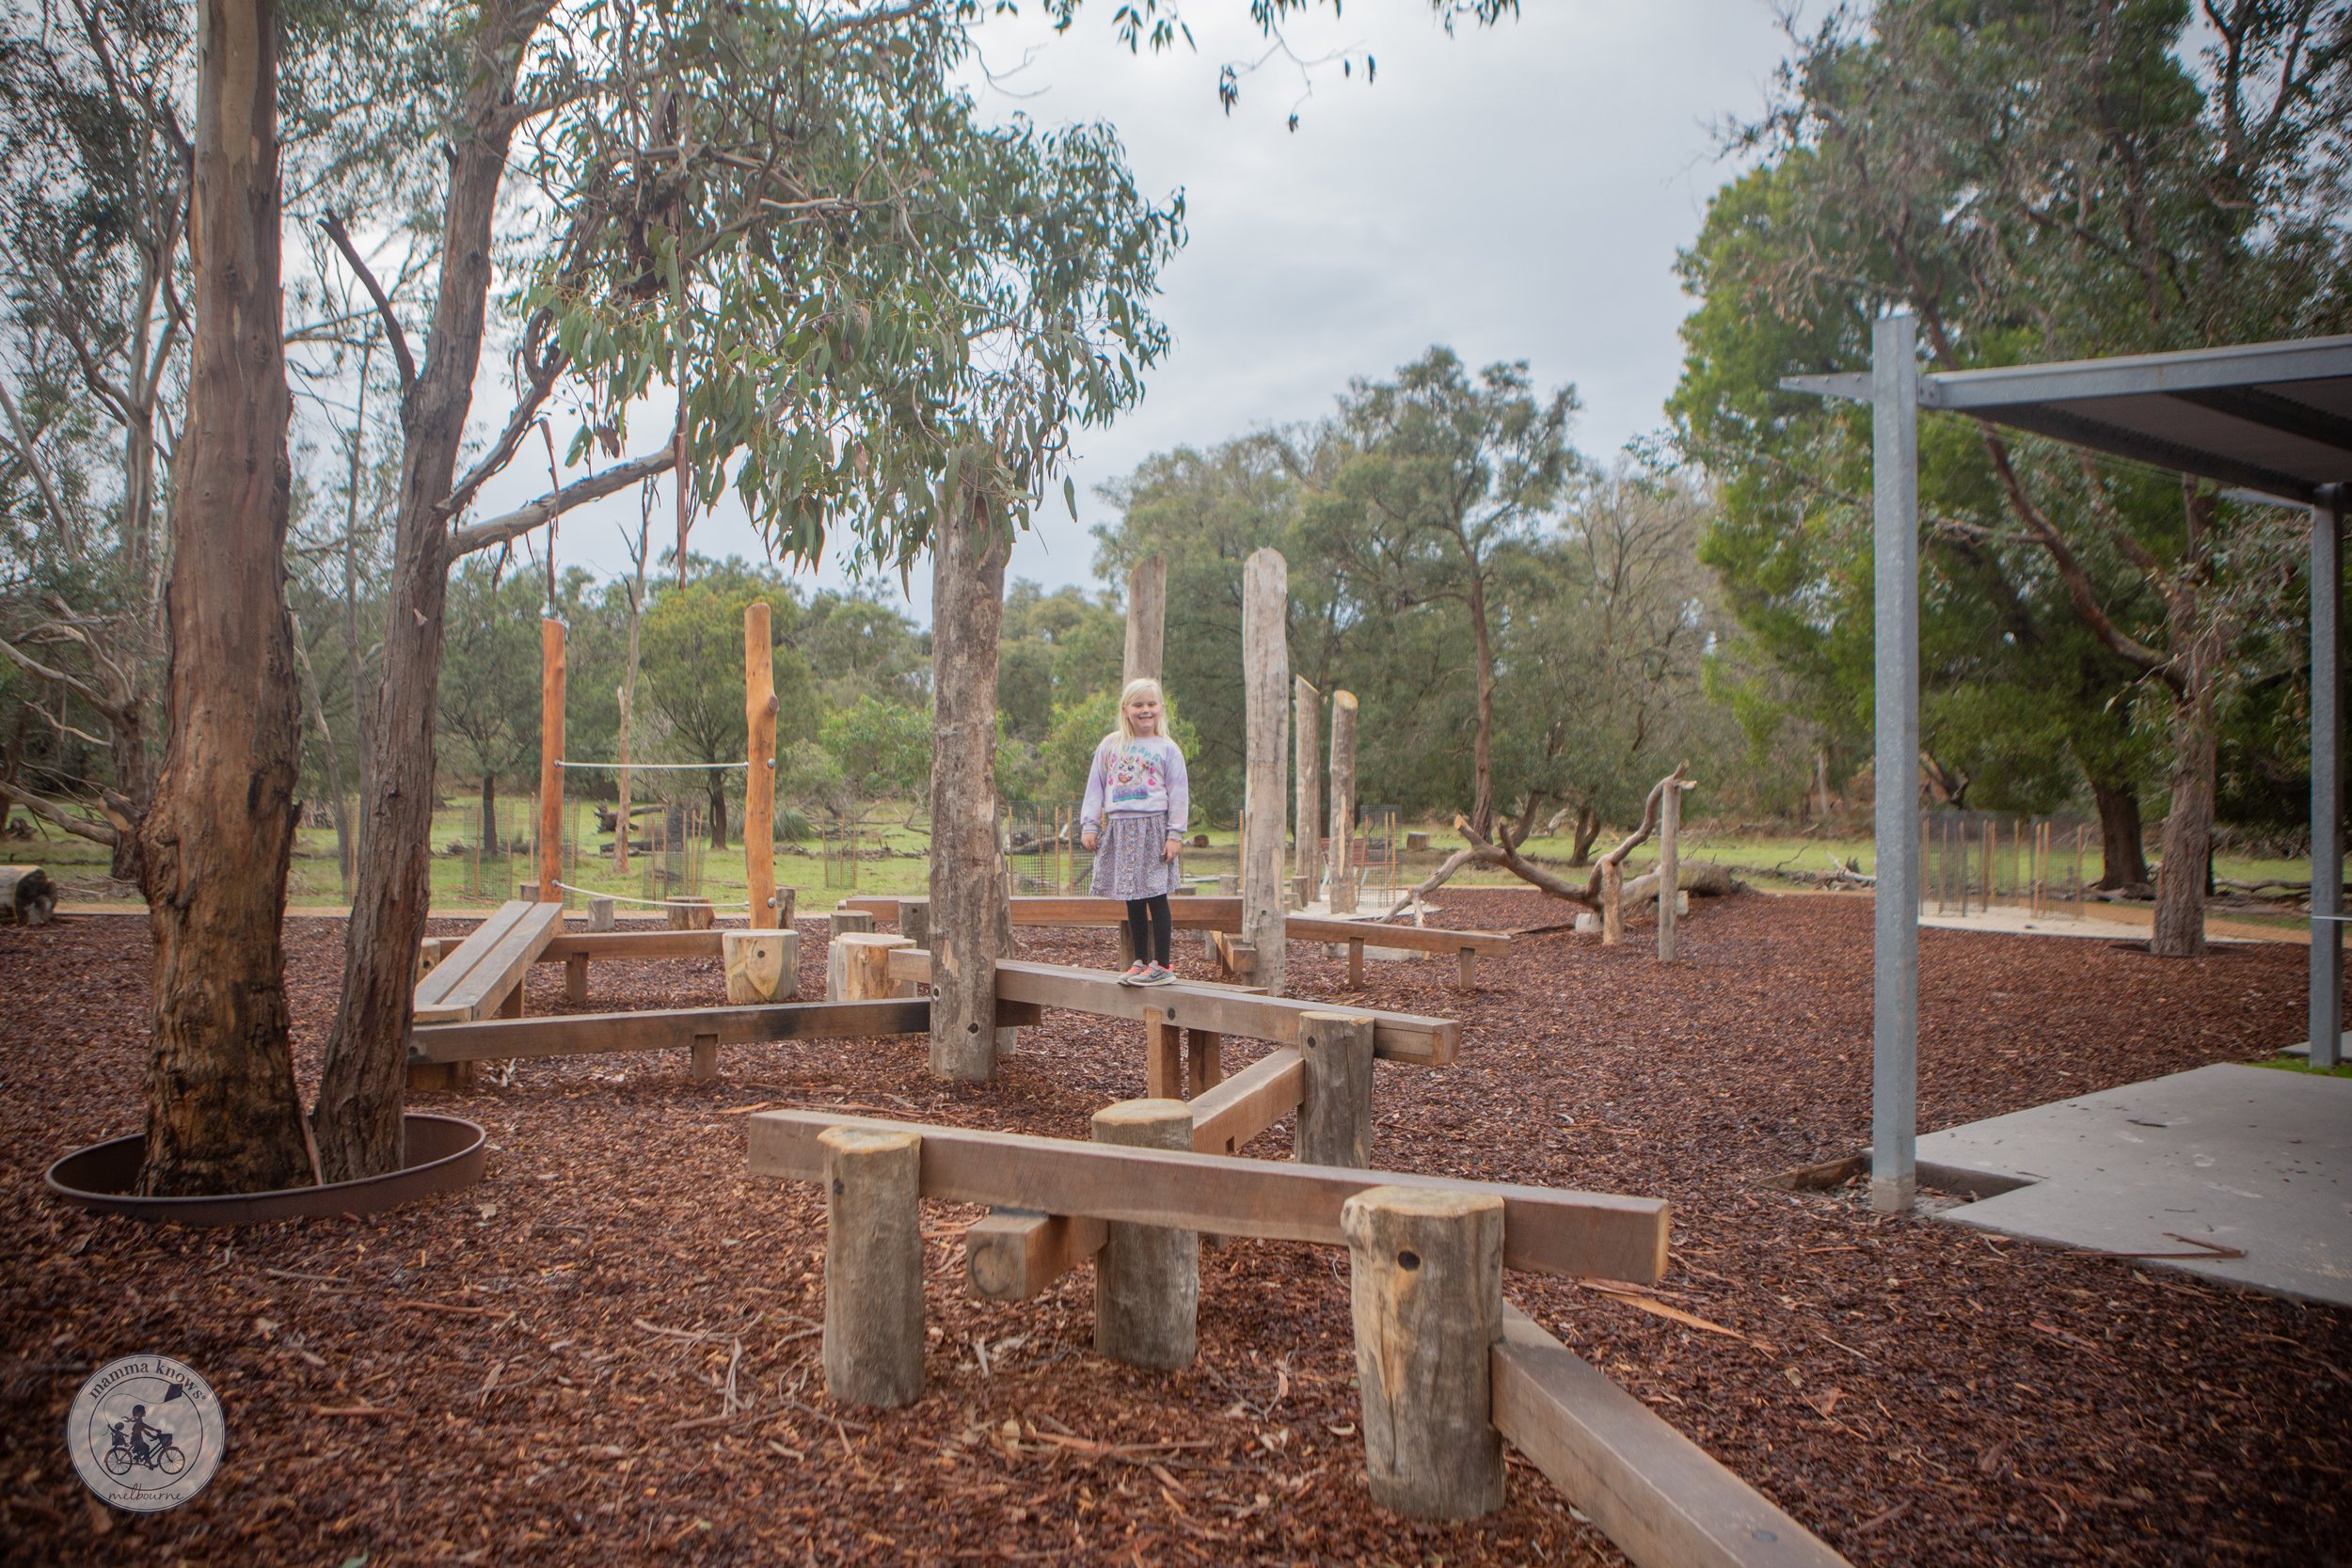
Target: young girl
x=1135, y=808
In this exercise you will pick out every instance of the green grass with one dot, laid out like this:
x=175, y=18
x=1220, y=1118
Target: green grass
x=465, y=881
x=2296, y=1064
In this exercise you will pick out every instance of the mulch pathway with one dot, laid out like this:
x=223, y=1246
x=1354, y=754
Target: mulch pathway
x=608, y=1352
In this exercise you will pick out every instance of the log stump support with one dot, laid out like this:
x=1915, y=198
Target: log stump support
x=1426, y=1290
x=599, y=914
x=1204, y=1061
x=1611, y=903
x=846, y=919
x=761, y=965
x=575, y=979
x=704, y=1055
x=1146, y=1278
x=1335, y=1109
x=873, y=1332
x=857, y=967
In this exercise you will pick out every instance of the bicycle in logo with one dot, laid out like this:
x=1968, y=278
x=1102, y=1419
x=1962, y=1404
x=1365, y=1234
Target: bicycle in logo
x=148, y=1446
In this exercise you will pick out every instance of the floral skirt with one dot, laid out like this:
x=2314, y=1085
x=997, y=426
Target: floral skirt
x=1127, y=862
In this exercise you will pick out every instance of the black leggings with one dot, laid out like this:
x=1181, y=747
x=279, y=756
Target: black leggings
x=1150, y=927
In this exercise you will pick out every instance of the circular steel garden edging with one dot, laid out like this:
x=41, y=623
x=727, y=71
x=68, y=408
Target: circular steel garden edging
x=444, y=1153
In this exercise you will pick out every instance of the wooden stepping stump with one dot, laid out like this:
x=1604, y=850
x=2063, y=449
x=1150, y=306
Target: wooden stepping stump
x=761, y=965
x=1425, y=1288
x=691, y=915
x=873, y=1339
x=857, y=967
x=1146, y=1278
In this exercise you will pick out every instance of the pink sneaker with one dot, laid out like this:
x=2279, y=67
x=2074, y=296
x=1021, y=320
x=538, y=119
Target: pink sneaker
x=1135, y=972
x=1155, y=975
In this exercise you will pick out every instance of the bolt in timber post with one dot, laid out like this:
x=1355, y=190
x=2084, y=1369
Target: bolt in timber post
x=1425, y=1286
x=1146, y=1278
x=873, y=1342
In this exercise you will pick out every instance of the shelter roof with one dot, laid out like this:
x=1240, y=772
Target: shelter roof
x=2274, y=418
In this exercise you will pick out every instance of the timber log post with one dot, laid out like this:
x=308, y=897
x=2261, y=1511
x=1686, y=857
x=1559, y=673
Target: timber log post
x=1266, y=683
x=1425, y=1288
x=1146, y=1278
x=1307, y=832
x=1147, y=619
x=1335, y=1110
x=1342, y=874
x=759, y=778
x=873, y=1267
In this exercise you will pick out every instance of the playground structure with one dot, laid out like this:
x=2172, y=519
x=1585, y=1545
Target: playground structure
x=1221, y=918
x=1448, y=1372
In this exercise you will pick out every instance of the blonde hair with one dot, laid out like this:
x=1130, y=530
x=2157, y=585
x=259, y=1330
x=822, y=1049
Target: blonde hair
x=1142, y=686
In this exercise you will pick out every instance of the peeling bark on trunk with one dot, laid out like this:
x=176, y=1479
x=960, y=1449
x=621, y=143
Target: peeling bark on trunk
x=971, y=914
x=2180, y=918
x=362, y=1089
x=223, y=1113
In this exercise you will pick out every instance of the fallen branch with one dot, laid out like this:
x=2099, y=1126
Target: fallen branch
x=1507, y=855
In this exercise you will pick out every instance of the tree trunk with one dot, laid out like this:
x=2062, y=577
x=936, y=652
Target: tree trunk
x=1481, y=812
x=223, y=1113
x=489, y=814
x=718, y=791
x=1587, y=829
x=2179, y=920
x=362, y=1088
x=1267, y=687
x=971, y=916
x=2123, y=854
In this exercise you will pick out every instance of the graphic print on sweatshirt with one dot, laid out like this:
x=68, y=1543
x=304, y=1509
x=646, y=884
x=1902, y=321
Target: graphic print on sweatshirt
x=1136, y=774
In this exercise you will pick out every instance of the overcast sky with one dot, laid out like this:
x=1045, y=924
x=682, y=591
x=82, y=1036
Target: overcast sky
x=1516, y=193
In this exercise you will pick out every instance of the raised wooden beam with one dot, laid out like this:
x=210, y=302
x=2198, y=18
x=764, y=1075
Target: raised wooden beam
x=659, y=944
x=1219, y=914
x=1656, y=1494
x=1417, y=939
x=679, y=1029
x=1596, y=1235
x=857, y=967
x=1014, y=1254
x=1226, y=1117
x=1220, y=1010
x=442, y=978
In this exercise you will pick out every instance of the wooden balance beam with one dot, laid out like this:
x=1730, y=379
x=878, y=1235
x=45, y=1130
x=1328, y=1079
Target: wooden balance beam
x=1216, y=1009
x=700, y=1030
x=1596, y=1235
x=1222, y=917
x=1663, y=1499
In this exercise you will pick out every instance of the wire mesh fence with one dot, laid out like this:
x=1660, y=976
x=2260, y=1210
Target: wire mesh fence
x=1975, y=861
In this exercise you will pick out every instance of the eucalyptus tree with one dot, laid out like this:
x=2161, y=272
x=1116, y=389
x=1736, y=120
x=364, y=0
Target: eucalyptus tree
x=2046, y=181
x=1439, y=477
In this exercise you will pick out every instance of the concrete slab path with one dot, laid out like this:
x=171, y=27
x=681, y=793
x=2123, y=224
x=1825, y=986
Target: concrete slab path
x=2242, y=1157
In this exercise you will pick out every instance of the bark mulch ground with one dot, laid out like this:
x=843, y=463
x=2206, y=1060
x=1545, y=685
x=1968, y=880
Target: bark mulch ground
x=608, y=1352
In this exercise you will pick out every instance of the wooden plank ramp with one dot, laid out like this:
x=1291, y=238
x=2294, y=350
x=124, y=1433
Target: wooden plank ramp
x=488, y=966
x=1662, y=1499
x=1234, y=1012
x=1546, y=1230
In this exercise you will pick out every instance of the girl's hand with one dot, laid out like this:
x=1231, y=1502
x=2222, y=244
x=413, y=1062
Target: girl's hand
x=1086, y=838
x=1170, y=850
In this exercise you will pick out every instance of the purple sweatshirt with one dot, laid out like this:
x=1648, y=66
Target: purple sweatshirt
x=1137, y=776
